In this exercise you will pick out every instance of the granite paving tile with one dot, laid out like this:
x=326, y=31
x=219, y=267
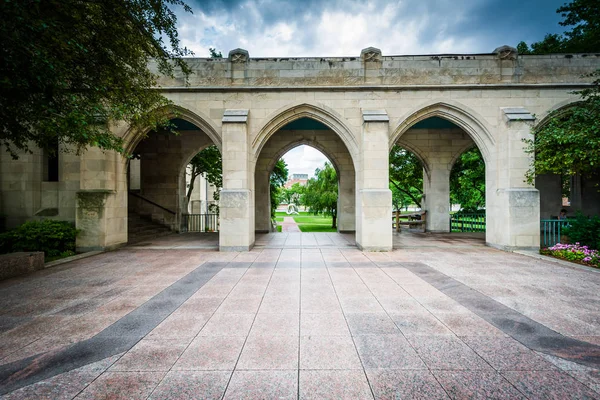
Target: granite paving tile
x=328, y=352
x=370, y=324
x=266, y=352
x=64, y=386
x=263, y=385
x=185, y=385
x=240, y=306
x=224, y=324
x=280, y=304
x=150, y=355
x=360, y=305
x=392, y=384
x=211, y=353
x=326, y=324
x=477, y=385
x=446, y=352
x=179, y=326
x=387, y=351
x=506, y=354
x=419, y=323
x=549, y=385
x=276, y=324
x=334, y=385
x=122, y=385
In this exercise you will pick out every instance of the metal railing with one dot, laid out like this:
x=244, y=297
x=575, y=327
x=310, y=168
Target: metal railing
x=467, y=223
x=199, y=223
x=550, y=233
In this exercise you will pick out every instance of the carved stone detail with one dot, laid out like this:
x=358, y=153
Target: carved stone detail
x=506, y=53
x=238, y=56
x=370, y=54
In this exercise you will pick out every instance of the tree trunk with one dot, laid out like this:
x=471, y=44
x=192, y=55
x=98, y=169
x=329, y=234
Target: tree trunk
x=334, y=220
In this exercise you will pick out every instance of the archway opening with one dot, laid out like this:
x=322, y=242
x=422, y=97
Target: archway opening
x=467, y=192
x=157, y=184
x=307, y=135
x=451, y=164
x=308, y=200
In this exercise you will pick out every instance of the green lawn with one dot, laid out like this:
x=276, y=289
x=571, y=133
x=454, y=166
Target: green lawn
x=307, y=222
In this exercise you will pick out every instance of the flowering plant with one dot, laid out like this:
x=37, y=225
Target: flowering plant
x=574, y=252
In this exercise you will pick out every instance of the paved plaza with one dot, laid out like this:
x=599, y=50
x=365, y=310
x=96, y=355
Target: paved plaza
x=302, y=316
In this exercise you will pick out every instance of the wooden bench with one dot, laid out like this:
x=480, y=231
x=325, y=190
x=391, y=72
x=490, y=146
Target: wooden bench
x=413, y=220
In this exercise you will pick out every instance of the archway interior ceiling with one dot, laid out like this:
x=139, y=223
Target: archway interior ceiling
x=435, y=123
x=305, y=124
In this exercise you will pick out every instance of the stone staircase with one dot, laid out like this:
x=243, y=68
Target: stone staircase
x=141, y=228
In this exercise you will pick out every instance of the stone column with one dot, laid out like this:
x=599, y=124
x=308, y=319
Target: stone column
x=513, y=206
x=374, y=198
x=436, y=190
x=236, y=230
x=101, y=209
x=262, y=202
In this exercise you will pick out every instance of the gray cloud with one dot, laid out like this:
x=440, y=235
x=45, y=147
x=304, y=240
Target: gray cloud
x=320, y=28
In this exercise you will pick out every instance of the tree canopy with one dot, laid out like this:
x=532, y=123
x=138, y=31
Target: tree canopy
x=568, y=142
x=278, y=178
x=69, y=67
x=321, y=192
x=467, y=181
x=583, y=16
x=207, y=162
x=406, y=177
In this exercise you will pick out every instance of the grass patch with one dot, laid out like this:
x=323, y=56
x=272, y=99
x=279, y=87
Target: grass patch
x=279, y=227
x=316, y=228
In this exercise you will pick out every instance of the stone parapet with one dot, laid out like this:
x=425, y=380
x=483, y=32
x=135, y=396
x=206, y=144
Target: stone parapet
x=371, y=68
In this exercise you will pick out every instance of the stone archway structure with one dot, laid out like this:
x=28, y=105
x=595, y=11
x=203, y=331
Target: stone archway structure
x=369, y=102
x=332, y=147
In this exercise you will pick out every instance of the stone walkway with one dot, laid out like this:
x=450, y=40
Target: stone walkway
x=302, y=316
x=289, y=225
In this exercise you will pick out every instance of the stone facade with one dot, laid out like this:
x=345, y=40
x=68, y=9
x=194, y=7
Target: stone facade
x=368, y=103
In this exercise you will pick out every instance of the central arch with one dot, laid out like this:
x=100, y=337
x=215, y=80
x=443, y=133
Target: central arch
x=317, y=112
x=286, y=132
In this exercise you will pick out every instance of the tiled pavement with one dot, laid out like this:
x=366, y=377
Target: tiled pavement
x=302, y=315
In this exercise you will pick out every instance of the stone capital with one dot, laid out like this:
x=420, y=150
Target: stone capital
x=238, y=56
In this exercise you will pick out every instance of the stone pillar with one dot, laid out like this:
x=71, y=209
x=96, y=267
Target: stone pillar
x=346, y=201
x=263, y=201
x=236, y=230
x=436, y=190
x=513, y=206
x=101, y=209
x=374, y=198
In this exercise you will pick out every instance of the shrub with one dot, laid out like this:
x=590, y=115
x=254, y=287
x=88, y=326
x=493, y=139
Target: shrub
x=584, y=230
x=55, y=238
x=574, y=252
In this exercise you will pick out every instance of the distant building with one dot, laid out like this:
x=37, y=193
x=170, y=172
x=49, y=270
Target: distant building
x=296, y=178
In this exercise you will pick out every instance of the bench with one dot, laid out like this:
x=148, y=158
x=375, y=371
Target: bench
x=413, y=220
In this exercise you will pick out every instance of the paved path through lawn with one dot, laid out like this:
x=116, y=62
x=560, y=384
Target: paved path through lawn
x=442, y=317
x=289, y=225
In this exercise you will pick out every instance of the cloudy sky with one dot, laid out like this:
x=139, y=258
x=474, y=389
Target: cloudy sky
x=288, y=28
x=300, y=28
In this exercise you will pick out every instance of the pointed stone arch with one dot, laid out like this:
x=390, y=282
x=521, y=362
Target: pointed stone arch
x=318, y=112
x=455, y=112
x=133, y=135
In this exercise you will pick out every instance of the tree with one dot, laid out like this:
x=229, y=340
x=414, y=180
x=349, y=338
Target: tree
x=467, y=181
x=207, y=162
x=584, y=37
x=406, y=174
x=321, y=193
x=71, y=67
x=294, y=194
x=568, y=143
x=278, y=178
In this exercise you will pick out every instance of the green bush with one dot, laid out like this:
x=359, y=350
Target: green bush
x=584, y=230
x=55, y=238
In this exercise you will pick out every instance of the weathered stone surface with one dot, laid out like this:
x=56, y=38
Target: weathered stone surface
x=15, y=264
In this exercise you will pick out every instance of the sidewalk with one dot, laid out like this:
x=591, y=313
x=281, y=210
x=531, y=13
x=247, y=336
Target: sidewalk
x=289, y=225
